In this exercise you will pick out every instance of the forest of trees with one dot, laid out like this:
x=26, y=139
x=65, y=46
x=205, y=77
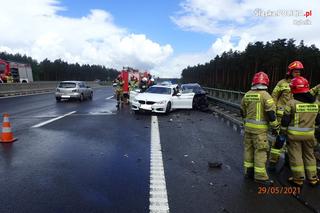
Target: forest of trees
x=234, y=70
x=59, y=70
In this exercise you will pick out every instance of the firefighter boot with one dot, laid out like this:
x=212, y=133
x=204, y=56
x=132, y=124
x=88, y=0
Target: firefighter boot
x=314, y=181
x=267, y=182
x=296, y=182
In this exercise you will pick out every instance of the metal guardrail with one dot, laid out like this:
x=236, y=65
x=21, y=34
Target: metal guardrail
x=33, y=87
x=229, y=97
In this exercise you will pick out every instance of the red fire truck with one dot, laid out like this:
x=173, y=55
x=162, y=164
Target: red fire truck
x=127, y=75
x=14, y=72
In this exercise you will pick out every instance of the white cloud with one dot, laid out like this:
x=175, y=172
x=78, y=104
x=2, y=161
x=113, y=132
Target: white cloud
x=235, y=25
x=35, y=28
x=220, y=17
x=175, y=64
x=172, y=67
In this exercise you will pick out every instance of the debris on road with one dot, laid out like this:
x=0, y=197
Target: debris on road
x=214, y=164
x=126, y=155
x=186, y=156
x=224, y=210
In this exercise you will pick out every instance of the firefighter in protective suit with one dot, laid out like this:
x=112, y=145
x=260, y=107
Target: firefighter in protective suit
x=298, y=123
x=315, y=91
x=281, y=95
x=119, y=90
x=258, y=111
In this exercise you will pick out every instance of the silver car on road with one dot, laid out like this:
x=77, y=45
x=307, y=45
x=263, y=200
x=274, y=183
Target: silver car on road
x=73, y=90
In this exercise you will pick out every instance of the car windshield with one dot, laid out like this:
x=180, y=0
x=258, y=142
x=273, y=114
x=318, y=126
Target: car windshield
x=159, y=90
x=67, y=85
x=192, y=88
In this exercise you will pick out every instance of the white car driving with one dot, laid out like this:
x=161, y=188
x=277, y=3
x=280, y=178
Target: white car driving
x=162, y=99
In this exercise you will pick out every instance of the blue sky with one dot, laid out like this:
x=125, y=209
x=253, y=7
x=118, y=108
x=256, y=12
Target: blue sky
x=161, y=36
x=151, y=18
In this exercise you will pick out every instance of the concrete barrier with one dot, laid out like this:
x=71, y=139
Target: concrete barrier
x=35, y=87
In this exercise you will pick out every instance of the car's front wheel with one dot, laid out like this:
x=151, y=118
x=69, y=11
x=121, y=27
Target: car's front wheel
x=168, y=108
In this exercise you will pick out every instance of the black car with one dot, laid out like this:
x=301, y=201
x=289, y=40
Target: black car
x=200, y=100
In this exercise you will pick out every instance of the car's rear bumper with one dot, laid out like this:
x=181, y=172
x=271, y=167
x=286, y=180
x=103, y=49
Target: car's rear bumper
x=67, y=95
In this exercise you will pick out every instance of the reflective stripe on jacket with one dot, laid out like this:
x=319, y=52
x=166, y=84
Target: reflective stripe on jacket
x=281, y=94
x=303, y=116
x=255, y=105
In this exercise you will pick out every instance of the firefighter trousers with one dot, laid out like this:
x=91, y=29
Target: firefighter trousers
x=302, y=159
x=256, y=147
x=119, y=94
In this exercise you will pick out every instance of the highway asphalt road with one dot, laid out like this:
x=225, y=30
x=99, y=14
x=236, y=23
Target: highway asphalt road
x=93, y=157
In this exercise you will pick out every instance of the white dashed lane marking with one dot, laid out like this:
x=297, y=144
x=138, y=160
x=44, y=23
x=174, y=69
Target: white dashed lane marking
x=158, y=191
x=52, y=120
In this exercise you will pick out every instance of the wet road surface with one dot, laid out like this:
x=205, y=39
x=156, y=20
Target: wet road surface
x=97, y=159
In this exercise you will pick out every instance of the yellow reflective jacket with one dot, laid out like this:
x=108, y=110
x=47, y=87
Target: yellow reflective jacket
x=281, y=94
x=254, y=105
x=119, y=87
x=315, y=91
x=302, y=119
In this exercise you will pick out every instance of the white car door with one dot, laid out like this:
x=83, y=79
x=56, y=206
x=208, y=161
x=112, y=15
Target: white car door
x=182, y=101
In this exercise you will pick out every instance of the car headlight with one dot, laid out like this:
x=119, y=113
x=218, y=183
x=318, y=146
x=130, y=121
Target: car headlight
x=161, y=102
x=135, y=100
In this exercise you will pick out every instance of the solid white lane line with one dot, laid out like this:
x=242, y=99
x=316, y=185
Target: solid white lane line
x=158, y=191
x=109, y=98
x=52, y=120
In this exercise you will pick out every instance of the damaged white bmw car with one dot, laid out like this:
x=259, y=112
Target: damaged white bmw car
x=162, y=99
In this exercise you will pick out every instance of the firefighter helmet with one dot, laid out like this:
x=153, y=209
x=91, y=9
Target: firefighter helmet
x=260, y=78
x=296, y=65
x=299, y=85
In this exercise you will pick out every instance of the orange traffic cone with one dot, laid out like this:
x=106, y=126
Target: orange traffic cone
x=6, y=135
